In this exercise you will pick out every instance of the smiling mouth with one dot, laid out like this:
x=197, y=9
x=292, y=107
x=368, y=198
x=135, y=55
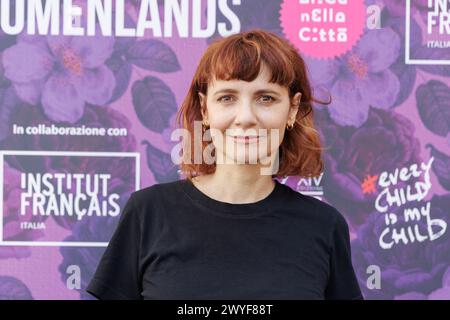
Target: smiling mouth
x=245, y=139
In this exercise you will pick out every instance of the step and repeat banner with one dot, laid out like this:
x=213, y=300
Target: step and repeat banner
x=88, y=96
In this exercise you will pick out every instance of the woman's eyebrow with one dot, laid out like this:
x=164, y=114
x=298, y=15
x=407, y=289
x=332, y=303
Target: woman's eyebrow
x=226, y=91
x=229, y=90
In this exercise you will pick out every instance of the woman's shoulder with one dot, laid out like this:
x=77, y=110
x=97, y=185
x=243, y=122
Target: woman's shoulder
x=156, y=192
x=159, y=187
x=151, y=203
x=316, y=208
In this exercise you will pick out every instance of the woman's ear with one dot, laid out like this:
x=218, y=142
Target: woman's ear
x=296, y=99
x=202, y=98
x=294, y=106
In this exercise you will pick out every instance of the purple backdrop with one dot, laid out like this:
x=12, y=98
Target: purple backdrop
x=387, y=171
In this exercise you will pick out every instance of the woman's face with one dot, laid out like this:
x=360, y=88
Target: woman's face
x=258, y=110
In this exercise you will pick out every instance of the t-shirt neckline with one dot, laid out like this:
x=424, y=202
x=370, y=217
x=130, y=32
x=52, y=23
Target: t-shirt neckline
x=234, y=209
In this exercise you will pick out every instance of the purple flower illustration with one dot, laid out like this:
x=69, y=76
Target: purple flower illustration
x=12, y=218
x=61, y=72
x=442, y=293
x=167, y=132
x=12, y=288
x=87, y=258
x=385, y=141
x=361, y=78
x=415, y=270
x=398, y=7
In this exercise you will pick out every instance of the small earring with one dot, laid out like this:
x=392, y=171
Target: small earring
x=204, y=126
x=289, y=127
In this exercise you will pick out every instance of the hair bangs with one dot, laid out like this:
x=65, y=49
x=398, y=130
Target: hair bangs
x=242, y=59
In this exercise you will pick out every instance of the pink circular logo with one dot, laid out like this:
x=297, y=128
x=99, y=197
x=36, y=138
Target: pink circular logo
x=323, y=28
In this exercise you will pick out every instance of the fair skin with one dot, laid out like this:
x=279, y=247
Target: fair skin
x=248, y=107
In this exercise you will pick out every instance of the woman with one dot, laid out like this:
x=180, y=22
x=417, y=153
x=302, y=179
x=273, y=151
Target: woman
x=229, y=230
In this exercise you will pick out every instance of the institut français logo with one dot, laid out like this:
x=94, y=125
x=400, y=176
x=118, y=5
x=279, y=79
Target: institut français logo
x=37, y=200
x=434, y=24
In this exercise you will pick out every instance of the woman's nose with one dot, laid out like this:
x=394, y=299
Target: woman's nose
x=245, y=114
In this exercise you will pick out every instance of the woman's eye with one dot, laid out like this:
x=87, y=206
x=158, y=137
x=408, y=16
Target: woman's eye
x=268, y=98
x=227, y=99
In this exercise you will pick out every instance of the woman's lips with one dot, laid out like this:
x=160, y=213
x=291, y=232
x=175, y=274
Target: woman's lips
x=245, y=139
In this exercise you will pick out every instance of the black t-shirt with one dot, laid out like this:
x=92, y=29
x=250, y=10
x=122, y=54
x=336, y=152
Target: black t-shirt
x=175, y=242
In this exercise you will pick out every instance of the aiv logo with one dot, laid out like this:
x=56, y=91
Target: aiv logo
x=308, y=186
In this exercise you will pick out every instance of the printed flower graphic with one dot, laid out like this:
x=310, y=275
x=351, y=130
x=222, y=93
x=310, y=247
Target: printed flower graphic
x=12, y=288
x=386, y=141
x=61, y=72
x=12, y=218
x=398, y=7
x=361, y=78
x=85, y=257
x=416, y=270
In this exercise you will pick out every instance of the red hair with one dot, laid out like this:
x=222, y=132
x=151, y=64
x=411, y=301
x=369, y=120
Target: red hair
x=239, y=56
